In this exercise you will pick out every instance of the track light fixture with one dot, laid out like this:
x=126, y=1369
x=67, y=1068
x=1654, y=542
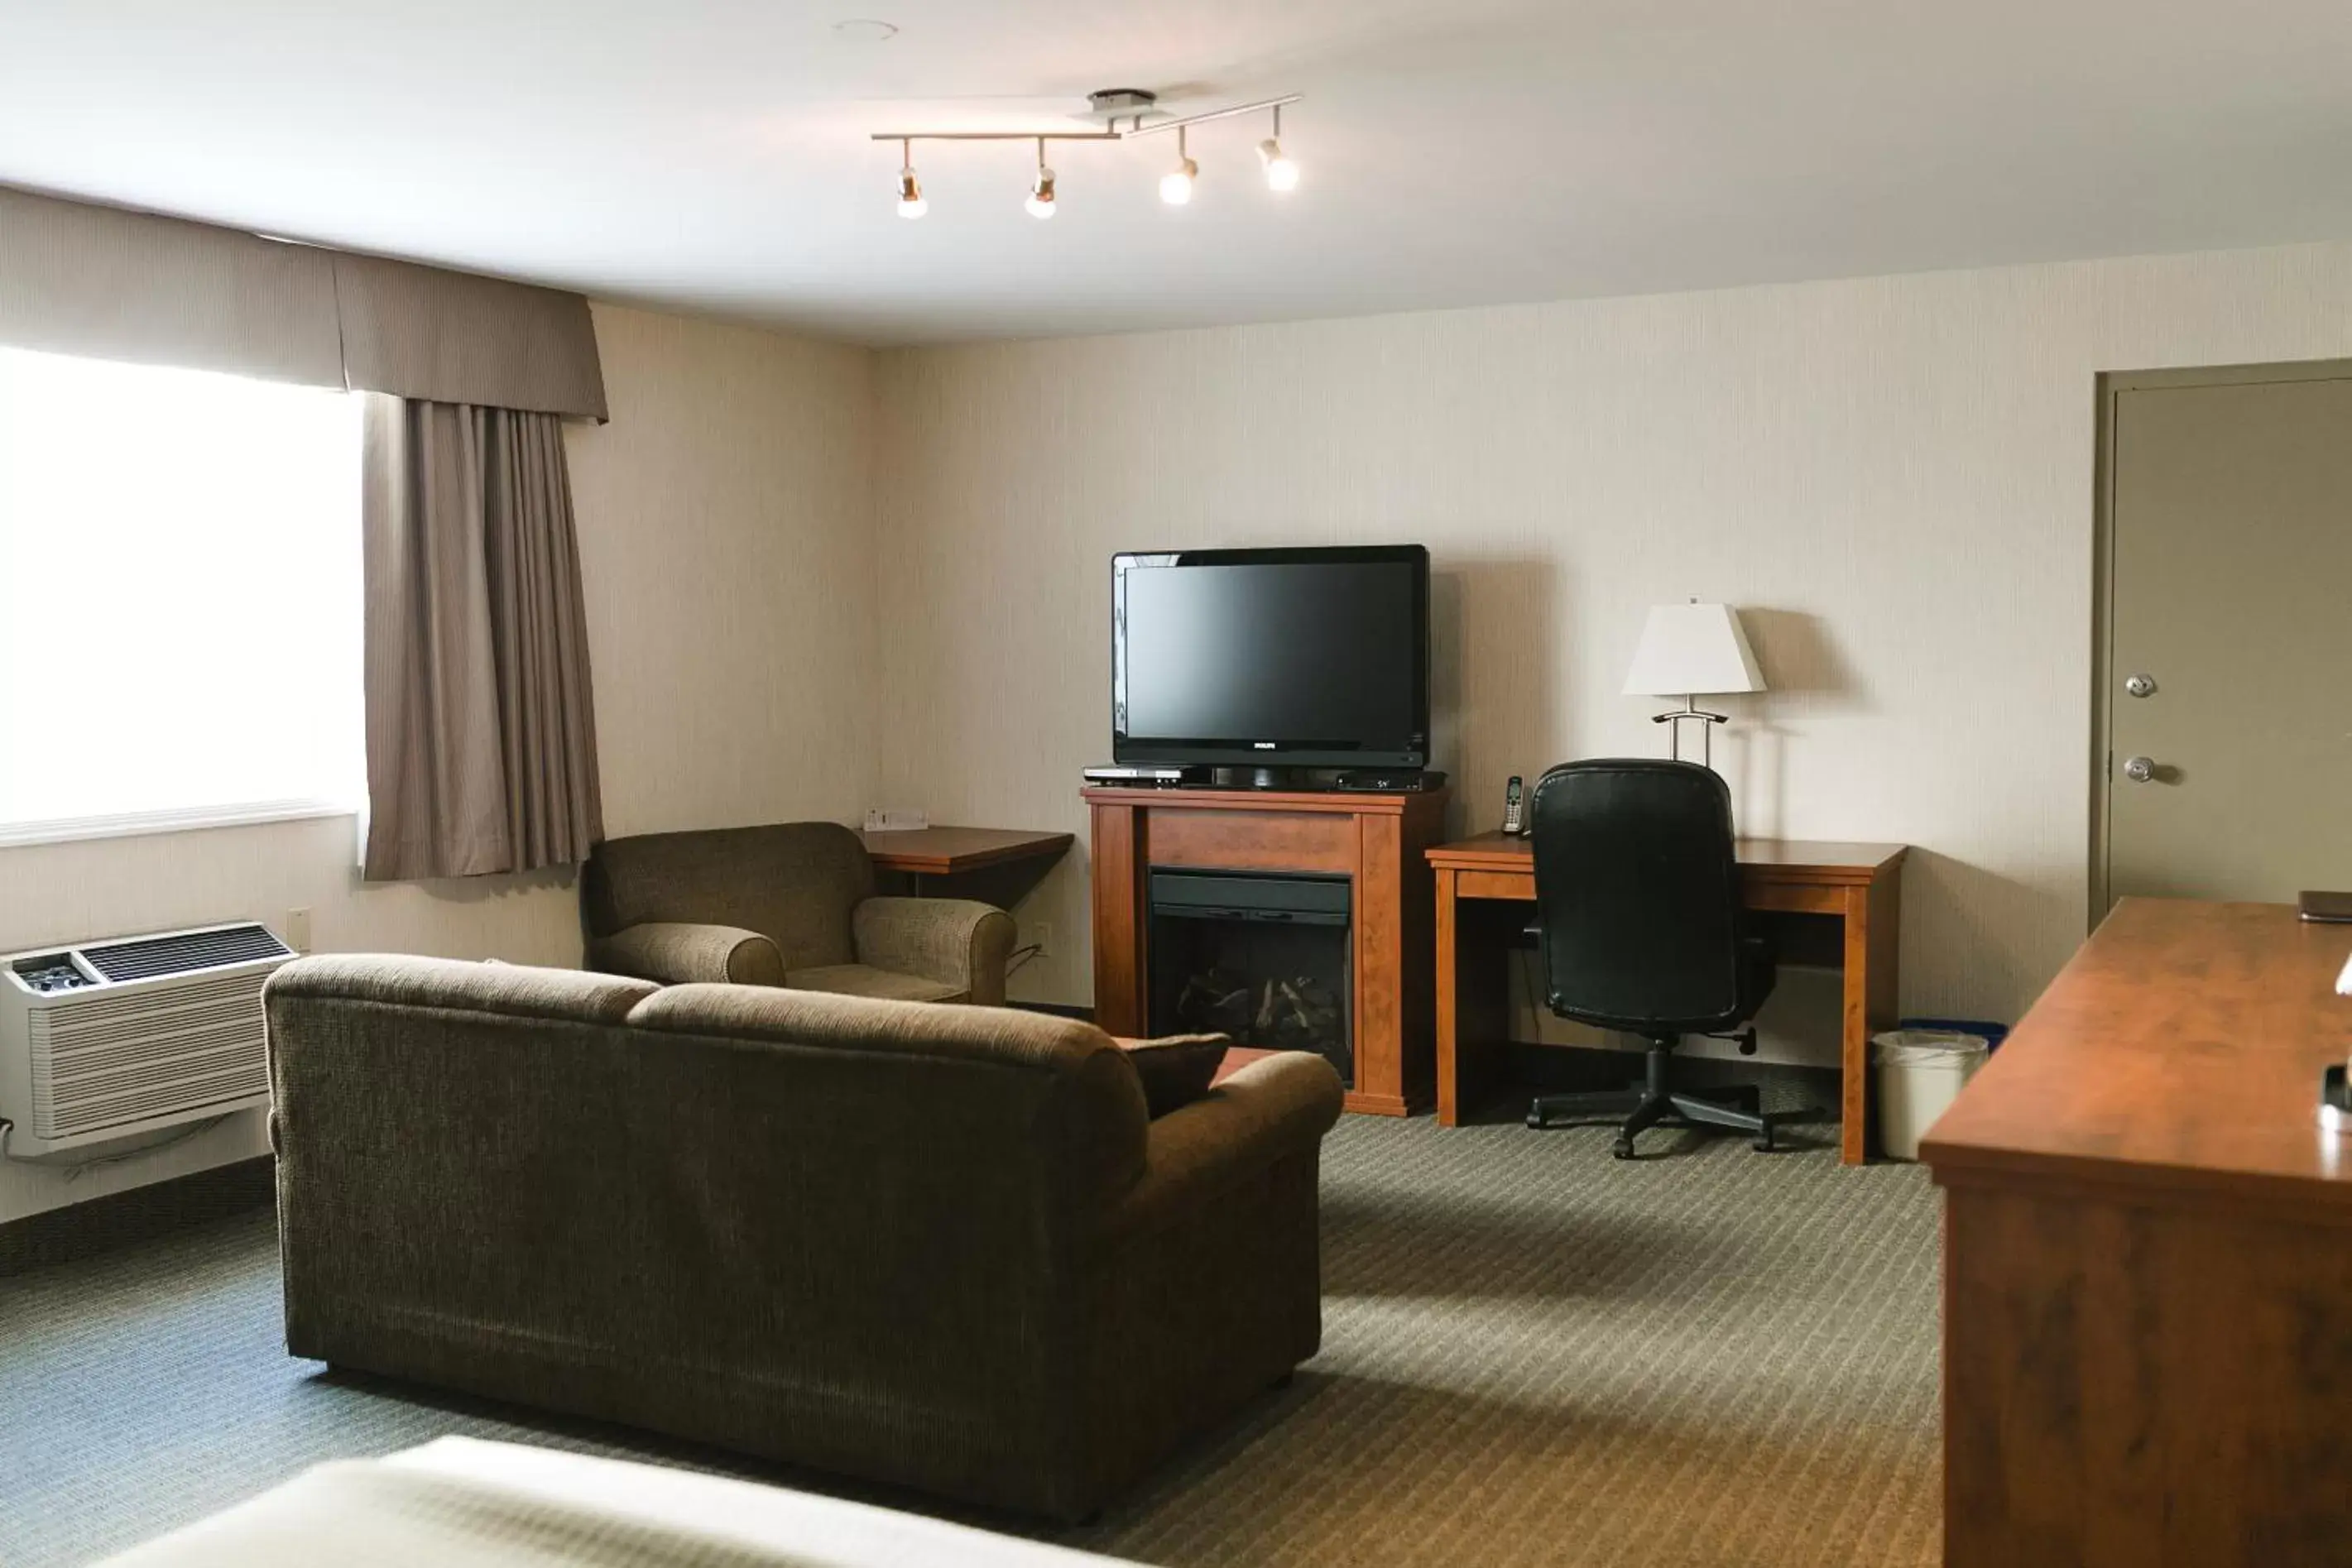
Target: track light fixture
x=1281, y=173
x=910, y=189
x=1040, y=189
x=1128, y=104
x=1176, y=185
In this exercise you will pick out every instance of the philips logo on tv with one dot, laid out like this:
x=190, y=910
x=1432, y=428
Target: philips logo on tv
x=1262, y=745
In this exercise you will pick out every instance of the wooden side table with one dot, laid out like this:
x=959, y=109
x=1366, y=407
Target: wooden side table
x=959, y=851
x=994, y=865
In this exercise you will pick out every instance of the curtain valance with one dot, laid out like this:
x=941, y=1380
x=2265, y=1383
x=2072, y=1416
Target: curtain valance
x=80, y=279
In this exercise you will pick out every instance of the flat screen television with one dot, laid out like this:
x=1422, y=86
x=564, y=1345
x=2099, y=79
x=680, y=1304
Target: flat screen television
x=1311, y=658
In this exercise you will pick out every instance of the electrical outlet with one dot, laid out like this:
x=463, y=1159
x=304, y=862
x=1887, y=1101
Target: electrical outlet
x=298, y=930
x=898, y=820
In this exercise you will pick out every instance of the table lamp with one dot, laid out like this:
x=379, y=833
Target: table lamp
x=1690, y=651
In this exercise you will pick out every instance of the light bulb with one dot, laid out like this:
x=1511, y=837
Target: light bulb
x=911, y=195
x=1176, y=185
x=1041, y=195
x=1281, y=173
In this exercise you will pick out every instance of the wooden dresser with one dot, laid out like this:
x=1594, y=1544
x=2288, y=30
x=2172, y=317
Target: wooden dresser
x=2148, y=1275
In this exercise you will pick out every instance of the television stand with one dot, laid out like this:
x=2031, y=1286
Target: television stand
x=1375, y=844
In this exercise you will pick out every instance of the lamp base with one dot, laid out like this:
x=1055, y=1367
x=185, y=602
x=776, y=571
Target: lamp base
x=1707, y=721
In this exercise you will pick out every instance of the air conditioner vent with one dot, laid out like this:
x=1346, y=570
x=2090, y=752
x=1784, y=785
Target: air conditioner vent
x=182, y=954
x=103, y=1043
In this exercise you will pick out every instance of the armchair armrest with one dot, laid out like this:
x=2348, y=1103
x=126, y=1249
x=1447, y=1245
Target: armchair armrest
x=955, y=940
x=675, y=954
x=1280, y=1105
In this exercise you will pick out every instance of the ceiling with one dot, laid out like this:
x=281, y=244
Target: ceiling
x=714, y=154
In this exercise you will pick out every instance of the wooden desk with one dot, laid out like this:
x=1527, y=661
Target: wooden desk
x=2148, y=1257
x=1861, y=885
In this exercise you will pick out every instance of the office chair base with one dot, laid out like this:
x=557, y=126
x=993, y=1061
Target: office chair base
x=1707, y=1113
x=1655, y=1104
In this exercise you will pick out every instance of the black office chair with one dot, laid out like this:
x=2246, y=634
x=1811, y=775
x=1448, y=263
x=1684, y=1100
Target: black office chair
x=1639, y=920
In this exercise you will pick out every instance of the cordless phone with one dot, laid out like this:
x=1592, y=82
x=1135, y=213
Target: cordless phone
x=1515, y=806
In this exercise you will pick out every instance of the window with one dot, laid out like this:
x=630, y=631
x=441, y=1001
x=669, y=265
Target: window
x=179, y=599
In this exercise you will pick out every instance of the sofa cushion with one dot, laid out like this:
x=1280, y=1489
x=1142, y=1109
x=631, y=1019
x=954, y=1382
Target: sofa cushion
x=511, y=990
x=1176, y=1069
x=864, y=980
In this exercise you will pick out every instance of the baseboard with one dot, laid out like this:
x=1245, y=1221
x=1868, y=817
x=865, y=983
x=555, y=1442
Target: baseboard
x=1057, y=1010
x=139, y=1214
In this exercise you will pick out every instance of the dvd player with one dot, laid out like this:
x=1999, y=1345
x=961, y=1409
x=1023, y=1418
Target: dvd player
x=1149, y=776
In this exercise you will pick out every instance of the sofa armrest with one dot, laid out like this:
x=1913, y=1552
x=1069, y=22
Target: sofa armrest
x=677, y=954
x=955, y=940
x=1280, y=1105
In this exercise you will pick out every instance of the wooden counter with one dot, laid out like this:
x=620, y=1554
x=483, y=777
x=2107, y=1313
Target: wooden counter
x=2147, y=1281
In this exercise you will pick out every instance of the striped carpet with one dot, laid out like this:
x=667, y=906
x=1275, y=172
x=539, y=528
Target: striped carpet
x=1533, y=1353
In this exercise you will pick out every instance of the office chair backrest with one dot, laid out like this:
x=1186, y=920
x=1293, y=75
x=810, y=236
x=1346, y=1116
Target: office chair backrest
x=1637, y=895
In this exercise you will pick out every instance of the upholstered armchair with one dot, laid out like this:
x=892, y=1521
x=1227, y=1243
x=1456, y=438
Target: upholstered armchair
x=790, y=904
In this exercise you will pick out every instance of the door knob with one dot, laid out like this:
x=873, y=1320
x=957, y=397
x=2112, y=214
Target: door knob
x=2139, y=769
x=2141, y=686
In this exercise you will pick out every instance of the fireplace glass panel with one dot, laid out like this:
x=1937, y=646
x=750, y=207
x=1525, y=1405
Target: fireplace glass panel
x=1265, y=958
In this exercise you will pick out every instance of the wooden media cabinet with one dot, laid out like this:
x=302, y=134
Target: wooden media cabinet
x=1376, y=843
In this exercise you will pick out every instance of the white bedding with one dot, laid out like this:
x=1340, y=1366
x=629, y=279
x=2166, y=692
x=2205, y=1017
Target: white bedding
x=463, y=1502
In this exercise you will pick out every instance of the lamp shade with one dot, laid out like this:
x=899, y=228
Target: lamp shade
x=1690, y=649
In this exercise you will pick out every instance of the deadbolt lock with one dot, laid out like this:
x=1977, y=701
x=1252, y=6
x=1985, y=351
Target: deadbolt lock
x=2141, y=686
x=2139, y=769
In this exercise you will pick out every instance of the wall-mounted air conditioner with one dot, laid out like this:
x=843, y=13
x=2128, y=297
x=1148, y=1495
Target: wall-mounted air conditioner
x=105, y=1042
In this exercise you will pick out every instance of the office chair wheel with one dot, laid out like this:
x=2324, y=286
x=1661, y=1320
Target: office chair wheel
x=1763, y=1140
x=1536, y=1119
x=1624, y=1149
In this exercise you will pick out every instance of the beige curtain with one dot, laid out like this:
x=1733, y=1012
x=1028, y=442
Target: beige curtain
x=482, y=733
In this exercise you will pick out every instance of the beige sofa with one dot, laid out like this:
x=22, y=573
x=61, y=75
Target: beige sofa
x=935, y=1246
x=788, y=905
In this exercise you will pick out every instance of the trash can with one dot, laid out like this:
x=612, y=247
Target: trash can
x=1920, y=1073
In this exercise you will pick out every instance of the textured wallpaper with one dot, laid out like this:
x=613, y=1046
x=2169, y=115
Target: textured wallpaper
x=1892, y=478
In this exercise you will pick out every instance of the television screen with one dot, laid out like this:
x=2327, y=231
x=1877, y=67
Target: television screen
x=1291, y=657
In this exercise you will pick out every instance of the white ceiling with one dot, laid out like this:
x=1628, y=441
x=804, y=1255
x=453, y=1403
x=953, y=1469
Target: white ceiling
x=713, y=154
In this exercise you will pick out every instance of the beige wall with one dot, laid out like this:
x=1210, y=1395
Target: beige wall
x=727, y=545
x=1892, y=478
x=728, y=565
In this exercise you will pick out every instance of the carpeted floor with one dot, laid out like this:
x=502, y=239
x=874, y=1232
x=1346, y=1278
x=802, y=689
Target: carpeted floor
x=1533, y=1353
